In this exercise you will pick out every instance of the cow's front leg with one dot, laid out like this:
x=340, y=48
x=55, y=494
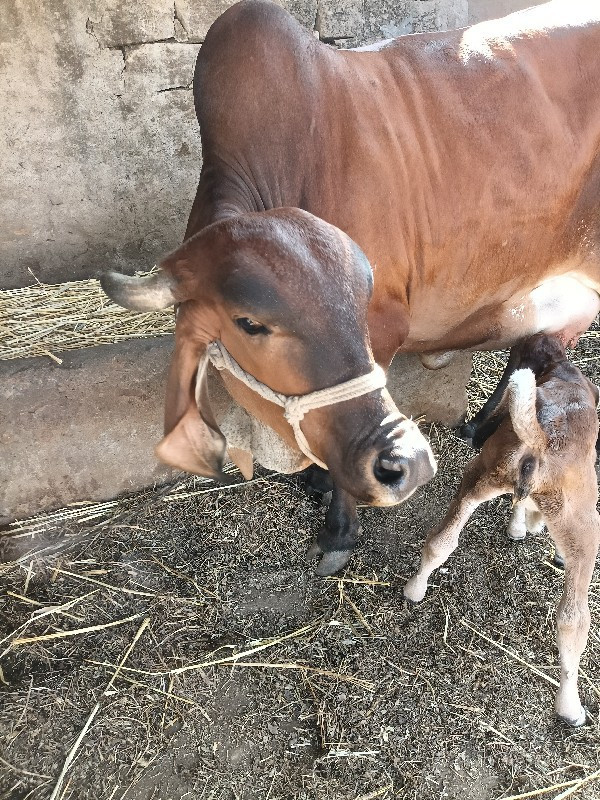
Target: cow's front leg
x=337, y=539
x=318, y=483
x=475, y=488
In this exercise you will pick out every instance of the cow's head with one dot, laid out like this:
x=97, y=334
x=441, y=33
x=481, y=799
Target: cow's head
x=287, y=295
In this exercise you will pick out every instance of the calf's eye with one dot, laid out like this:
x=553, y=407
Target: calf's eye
x=251, y=326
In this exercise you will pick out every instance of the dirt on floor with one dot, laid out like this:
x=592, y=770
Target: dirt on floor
x=177, y=644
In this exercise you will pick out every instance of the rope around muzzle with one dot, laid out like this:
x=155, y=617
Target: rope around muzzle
x=296, y=406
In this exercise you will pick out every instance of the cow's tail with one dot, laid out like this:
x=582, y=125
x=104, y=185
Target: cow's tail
x=522, y=392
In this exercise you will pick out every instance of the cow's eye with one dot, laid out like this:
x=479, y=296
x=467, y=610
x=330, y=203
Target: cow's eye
x=251, y=326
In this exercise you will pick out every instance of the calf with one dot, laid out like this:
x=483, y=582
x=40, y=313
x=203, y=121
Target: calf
x=543, y=451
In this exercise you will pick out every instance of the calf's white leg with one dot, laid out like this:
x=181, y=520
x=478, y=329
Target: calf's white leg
x=475, y=489
x=517, y=527
x=578, y=539
x=525, y=518
x=534, y=521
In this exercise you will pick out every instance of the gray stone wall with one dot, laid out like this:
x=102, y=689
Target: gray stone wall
x=99, y=146
x=480, y=10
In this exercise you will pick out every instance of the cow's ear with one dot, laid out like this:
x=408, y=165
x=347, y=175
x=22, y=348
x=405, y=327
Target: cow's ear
x=193, y=441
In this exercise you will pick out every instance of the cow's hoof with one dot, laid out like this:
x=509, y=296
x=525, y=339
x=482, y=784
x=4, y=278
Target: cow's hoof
x=467, y=432
x=317, y=481
x=333, y=562
x=576, y=722
x=558, y=561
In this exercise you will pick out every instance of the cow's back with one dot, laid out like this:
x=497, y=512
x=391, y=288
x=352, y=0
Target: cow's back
x=456, y=160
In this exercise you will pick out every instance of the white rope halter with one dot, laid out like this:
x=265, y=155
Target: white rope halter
x=296, y=406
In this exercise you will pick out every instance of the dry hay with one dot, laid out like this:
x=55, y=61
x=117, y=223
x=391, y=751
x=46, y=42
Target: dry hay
x=44, y=319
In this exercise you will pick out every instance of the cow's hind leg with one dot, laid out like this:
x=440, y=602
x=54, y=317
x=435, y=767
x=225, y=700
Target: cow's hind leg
x=577, y=537
x=478, y=429
x=476, y=488
x=337, y=539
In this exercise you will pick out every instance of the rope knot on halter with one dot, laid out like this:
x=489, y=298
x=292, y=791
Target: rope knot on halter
x=293, y=411
x=296, y=406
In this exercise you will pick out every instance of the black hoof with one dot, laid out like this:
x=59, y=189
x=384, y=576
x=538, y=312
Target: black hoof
x=333, y=562
x=314, y=551
x=467, y=432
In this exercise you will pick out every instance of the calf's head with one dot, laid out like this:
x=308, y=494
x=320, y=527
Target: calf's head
x=286, y=294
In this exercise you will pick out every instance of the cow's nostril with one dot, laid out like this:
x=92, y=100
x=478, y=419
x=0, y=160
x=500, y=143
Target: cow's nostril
x=390, y=469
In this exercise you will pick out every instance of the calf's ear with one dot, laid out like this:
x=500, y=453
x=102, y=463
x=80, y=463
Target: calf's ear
x=192, y=441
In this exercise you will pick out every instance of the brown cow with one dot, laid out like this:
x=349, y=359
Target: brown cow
x=543, y=452
x=464, y=164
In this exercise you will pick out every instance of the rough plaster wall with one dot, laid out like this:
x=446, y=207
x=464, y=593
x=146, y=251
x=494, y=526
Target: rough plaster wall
x=99, y=146
x=99, y=150
x=480, y=10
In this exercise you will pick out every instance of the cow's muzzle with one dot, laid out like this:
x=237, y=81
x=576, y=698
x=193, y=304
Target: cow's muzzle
x=401, y=465
x=392, y=469
x=296, y=406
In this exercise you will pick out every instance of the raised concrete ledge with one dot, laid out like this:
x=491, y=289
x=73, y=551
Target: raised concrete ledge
x=84, y=430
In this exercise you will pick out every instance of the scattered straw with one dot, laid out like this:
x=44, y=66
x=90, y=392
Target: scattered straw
x=76, y=632
x=579, y=785
x=359, y=581
x=46, y=319
x=109, y=586
x=20, y=771
x=377, y=793
x=261, y=644
x=543, y=790
x=512, y=655
x=343, y=753
x=359, y=616
x=94, y=711
x=44, y=608
x=156, y=690
x=368, y=685
x=36, y=616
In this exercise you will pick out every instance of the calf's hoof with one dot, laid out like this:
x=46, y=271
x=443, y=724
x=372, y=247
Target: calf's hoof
x=573, y=722
x=414, y=589
x=516, y=533
x=558, y=560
